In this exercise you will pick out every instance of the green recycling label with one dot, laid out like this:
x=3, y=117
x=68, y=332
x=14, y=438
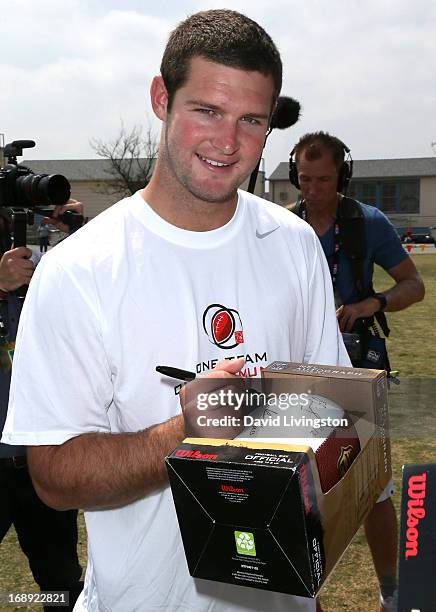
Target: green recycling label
x=245, y=543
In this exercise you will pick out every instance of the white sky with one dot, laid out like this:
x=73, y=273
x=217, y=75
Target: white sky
x=363, y=70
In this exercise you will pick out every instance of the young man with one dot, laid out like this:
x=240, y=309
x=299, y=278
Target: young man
x=320, y=159
x=139, y=286
x=48, y=538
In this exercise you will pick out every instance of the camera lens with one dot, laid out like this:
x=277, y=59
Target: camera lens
x=43, y=189
x=54, y=188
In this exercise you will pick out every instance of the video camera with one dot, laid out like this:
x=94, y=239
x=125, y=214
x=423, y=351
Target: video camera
x=23, y=193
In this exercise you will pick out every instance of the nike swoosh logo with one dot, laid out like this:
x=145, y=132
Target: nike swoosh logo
x=265, y=234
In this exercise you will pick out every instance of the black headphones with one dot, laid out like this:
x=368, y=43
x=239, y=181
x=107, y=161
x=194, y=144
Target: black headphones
x=344, y=175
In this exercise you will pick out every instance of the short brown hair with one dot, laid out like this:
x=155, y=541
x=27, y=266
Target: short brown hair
x=315, y=144
x=224, y=37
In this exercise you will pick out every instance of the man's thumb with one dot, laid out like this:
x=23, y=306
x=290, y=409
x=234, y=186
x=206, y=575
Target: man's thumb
x=233, y=366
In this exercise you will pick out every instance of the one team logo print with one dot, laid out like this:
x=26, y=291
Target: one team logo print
x=223, y=326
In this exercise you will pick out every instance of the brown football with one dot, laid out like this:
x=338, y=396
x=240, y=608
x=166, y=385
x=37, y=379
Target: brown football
x=335, y=455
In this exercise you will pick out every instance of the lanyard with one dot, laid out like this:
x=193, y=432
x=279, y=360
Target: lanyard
x=334, y=259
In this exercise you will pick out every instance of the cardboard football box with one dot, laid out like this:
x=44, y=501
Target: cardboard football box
x=253, y=513
x=417, y=555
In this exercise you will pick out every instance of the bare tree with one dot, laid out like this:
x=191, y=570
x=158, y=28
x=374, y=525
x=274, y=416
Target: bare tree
x=131, y=158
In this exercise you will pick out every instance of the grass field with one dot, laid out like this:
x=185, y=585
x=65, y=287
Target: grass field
x=412, y=343
x=352, y=586
x=412, y=350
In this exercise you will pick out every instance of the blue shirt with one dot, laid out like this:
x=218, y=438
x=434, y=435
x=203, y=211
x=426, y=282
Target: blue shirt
x=383, y=247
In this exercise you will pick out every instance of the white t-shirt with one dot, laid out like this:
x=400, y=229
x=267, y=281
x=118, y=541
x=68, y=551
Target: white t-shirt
x=127, y=292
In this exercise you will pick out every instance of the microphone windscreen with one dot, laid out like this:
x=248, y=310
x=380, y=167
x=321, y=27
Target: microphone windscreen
x=287, y=112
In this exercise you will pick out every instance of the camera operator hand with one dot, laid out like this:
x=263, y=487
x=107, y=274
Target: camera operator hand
x=347, y=314
x=16, y=269
x=73, y=205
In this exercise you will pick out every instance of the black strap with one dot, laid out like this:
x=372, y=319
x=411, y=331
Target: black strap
x=333, y=261
x=353, y=240
x=381, y=318
x=352, y=236
x=354, y=243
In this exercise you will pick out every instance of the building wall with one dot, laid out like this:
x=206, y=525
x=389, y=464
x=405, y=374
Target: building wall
x=94, y=201
x=427, y=198
x=427, y=207
x=282, y=192
x=89, y=193
x=259, y=188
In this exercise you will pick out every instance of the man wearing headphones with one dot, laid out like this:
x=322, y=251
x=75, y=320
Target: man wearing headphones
x=318, y=168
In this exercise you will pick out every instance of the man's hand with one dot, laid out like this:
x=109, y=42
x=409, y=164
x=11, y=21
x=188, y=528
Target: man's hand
x=199, y=399
x=407, y=290
x=73, y=205
x=348, y=313
x=15, y=269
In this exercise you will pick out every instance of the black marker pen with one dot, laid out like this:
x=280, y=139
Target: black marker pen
x=188, y=376
x=178, y=373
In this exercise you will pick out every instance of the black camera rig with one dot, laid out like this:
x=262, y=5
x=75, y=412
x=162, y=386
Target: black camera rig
x=23, y=193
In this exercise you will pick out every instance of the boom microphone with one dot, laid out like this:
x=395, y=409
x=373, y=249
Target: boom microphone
x=286, y=113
